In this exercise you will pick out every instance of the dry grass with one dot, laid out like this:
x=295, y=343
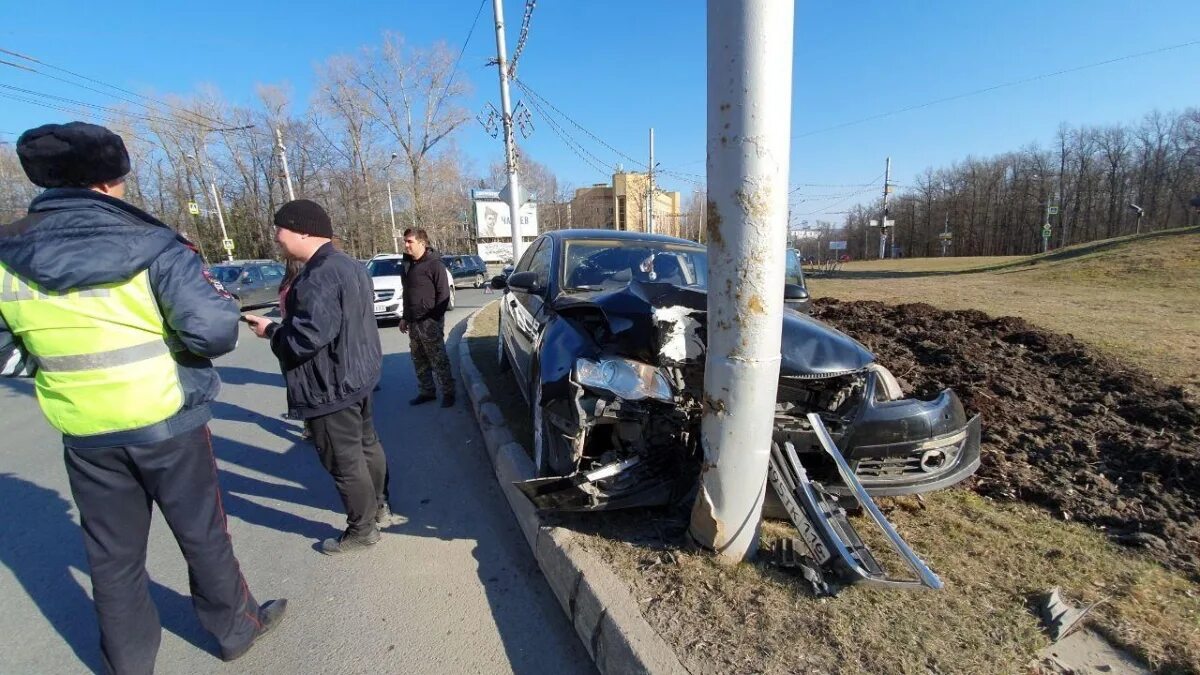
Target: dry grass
x=1138, y=300
x=1135, y=298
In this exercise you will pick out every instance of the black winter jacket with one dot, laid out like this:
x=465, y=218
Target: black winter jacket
x=426, y=287
x=328, y=346
x=76, y=238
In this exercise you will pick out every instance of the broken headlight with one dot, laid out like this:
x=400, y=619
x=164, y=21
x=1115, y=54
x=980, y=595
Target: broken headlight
x=625, y=378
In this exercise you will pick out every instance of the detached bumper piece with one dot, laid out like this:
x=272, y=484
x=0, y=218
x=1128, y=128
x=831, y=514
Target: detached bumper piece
x=620, y=485
x=833, y=554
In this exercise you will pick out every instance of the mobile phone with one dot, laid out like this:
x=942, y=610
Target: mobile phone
x=243, y=318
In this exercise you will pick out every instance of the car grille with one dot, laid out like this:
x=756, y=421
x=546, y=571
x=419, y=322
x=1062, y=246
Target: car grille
x=383, y=296
x=927, y=459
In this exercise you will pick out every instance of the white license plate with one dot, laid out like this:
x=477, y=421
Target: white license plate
x=380, y=307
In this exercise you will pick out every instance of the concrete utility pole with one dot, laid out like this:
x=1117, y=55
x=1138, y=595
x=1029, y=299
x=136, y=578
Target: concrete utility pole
x=749, y=130
x=510, y=148
x=650, y=190
x=225, y=240
x=391, y=207
x=287, y=175
x=883, y=220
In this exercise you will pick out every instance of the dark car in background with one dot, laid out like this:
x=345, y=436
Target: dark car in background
x=255, y=283
x=468, y=269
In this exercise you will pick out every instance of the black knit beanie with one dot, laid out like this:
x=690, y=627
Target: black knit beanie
x=305, y=217
x=76, y=154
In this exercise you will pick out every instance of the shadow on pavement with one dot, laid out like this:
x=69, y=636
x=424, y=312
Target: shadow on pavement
x=42, y=544
x=18, y=385
x=239, y=375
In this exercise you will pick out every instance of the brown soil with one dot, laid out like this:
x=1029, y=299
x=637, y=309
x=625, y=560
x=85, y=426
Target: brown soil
x=1064, y=427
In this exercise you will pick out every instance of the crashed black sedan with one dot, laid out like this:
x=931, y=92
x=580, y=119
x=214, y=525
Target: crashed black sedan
x=605, y=332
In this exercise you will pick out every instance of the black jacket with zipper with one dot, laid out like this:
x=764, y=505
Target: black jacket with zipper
x=426, y=287
x=328, y=346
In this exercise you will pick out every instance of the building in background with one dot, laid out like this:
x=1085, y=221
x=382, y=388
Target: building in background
x=622, y=206
x=493, y=225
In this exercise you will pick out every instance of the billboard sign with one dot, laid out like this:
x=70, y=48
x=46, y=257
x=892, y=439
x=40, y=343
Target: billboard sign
x=492, y=220
x=837, y=246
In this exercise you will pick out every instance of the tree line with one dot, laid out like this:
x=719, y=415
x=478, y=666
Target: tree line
x=998, y=205
x=383, y=119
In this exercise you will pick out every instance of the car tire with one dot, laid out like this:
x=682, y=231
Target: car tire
x=479, y=281
x=451, y=305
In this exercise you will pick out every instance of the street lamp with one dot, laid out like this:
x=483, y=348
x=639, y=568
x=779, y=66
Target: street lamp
x=391, y=209
x=1140, y=212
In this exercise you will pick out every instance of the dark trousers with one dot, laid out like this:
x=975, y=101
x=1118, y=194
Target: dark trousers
x=350, y=451
x=427, y=345
x=114, y=489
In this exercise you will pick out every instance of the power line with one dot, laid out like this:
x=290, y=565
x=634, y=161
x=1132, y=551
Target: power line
x=31, y=59
x=111, y=111
x=533, y=94
x=573, y=145
x=461, y=51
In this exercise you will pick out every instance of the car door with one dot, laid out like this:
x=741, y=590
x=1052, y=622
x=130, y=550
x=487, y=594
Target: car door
x=272, y=277
x=521, y=309
x=251, y=285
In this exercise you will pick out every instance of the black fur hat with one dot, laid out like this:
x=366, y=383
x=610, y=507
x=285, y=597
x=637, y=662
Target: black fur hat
x=76, y=154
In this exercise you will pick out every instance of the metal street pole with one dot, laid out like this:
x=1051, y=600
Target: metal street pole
x=510, y=148
x=392, y=213
x=650, y=191
x=883, y=220
x=287, y=175
x=749, y=129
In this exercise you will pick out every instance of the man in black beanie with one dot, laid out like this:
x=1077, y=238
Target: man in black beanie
x=117, y=314
x=328, y=347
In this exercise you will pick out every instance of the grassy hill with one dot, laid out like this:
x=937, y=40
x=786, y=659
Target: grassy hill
x=1136, y=298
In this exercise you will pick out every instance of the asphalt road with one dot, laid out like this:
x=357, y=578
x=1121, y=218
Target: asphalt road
x=452, y=588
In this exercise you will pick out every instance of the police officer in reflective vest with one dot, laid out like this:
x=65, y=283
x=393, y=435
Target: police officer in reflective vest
x=113, y=314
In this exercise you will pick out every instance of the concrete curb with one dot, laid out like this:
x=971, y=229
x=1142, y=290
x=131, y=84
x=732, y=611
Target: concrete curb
x=605, y=615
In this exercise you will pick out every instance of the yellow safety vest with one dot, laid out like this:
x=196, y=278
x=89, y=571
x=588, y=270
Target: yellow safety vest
x=103, y=360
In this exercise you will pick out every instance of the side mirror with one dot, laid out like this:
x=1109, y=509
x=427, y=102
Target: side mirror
x=526, y=282
x=499, y=282
x=794, y=292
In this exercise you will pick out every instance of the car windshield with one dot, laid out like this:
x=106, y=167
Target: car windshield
x=385, y=267
x=226, y=274
x=604, y=264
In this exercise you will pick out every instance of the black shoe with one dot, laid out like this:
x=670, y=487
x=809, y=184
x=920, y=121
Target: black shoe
x=270, y=615
x=422, y=398
x=383, y=515
x=350, y=543
x=448, y=401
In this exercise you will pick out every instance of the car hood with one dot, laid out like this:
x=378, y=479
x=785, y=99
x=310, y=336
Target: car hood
x=662, y=324
x=388, y=282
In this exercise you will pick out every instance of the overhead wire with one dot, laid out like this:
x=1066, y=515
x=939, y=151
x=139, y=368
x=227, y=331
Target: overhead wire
x=191, y=113
x=457, y=61
x=573, y=145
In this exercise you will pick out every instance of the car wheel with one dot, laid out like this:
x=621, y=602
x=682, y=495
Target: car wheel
x=551, y=452
x=478, y=281
x=451, y=305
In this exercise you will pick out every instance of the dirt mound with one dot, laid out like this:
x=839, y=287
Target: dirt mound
x=1066, y=428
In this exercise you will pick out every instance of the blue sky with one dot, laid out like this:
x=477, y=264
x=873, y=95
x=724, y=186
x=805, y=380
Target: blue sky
x=620, y=67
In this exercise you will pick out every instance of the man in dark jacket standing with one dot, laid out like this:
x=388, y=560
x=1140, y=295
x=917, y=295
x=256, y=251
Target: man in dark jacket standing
x=426, y=299
x=328, y=347
x=116, y=316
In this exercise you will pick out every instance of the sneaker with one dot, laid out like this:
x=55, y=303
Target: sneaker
x=383, y=515
x=270, y=615
x=422, y=398
x=350, y=543
x=448, y=401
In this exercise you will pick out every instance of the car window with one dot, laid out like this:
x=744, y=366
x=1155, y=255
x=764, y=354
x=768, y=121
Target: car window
x=272, y=272
x=226, y=274
x=527, y=259
x=253, y=272
x=384, y=267
x=541, y=263
x=793, y=274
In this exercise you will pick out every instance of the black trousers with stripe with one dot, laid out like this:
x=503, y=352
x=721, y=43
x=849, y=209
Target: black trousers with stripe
x=114, y=489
